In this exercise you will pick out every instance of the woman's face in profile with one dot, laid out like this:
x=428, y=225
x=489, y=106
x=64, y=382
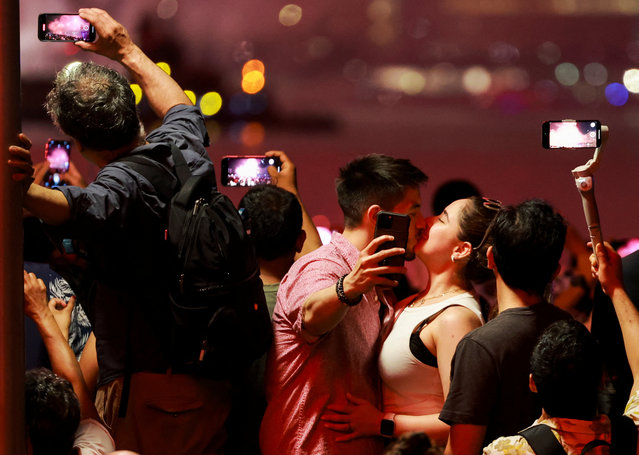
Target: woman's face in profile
x=439, y=236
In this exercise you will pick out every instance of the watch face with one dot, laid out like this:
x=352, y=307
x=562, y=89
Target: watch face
x=387, y=428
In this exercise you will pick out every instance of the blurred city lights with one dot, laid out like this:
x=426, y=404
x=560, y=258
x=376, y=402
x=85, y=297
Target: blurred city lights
x=595, y=74
x=567, y=74
x=165, y=67
x=137, y=91
x=253, y=82
x=252, y=65
x=166, y=9
x=548, y=53
x=631, y=80
x=476, y=80
x=616, y=94
x=411, y=82
x=290, y=15
x=191, y=96
x=210, y=103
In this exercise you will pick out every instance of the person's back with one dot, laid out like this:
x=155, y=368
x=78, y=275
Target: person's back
x=489, y=395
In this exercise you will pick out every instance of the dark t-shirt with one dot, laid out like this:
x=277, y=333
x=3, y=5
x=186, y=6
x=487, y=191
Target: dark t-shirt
x=119, y=218
x=490, y=369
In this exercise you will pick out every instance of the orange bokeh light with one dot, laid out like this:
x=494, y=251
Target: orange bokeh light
x=252, y=65
x=253, y=82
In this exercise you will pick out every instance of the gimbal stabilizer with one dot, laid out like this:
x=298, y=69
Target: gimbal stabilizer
x=586, y=185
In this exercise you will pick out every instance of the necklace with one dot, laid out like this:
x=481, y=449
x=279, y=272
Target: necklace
x=418, y=302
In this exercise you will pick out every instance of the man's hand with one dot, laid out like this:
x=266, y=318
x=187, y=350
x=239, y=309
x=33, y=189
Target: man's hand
x=20, y=162
x=286, y=177
x=358, y=419
x=113, y=40
x=606, y=267
x=35, y=297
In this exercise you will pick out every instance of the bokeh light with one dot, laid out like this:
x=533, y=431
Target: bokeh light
x=355, y=70
x=567, y=74
x=411, y=82
x=165, y=67
x=167, y=9
x=595, y=74
x=191, y=96
x=252, y=134
x=211, y=103
x=253, y=65
x=631, y=80
x=616, y=94
x=137, y=91
x=476, y=80
x=253, y=82
x=290, y=15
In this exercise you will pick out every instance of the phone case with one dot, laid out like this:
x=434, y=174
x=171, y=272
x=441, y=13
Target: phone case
x=395, y=224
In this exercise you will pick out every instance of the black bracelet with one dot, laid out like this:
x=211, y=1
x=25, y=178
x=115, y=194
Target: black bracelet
x=339, y=288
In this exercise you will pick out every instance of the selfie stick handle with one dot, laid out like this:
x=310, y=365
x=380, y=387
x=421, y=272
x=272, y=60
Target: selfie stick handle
x=586, y=185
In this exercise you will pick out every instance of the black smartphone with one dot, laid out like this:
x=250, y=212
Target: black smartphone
x=247, y=170
x=57, y=153
x=571, y=134
x=64, y=28
x=395, y=224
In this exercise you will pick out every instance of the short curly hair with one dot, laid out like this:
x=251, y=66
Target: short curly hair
x=94, y=105
x=52, y=412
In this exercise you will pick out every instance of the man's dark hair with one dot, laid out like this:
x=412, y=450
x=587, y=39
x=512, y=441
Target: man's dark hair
x=527, y=241
x=94, y=105
x=374, y=179
x=275, y=220
x=566, y=366
x=413, y=443
x=451, y=191
x=52, y=412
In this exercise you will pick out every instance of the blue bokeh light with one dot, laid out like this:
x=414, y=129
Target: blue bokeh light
x=617, y=94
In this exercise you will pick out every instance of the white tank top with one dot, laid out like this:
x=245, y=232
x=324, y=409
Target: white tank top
x=409, y=386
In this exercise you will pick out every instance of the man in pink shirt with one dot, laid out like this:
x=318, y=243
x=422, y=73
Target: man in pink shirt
x=327, y=317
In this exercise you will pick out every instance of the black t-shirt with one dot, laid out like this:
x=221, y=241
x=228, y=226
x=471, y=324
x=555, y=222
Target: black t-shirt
x=490, y=369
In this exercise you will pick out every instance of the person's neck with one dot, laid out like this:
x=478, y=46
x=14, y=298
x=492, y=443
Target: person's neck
x=359, y=236
x=445, y=282
x=508, y=298
x=272, y=271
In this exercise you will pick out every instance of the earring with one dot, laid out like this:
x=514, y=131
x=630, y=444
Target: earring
x=452, y=258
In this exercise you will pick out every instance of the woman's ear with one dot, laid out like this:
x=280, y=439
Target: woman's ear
x=531, y=384
x=462, y=251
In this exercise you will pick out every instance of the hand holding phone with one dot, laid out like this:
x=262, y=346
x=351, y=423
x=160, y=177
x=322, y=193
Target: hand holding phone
x=247, y=170
x=397, y=225
x=571, y=134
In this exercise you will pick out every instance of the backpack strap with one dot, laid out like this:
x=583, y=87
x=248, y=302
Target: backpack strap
x=542, y=440
x=594, y=443
x=156, y=173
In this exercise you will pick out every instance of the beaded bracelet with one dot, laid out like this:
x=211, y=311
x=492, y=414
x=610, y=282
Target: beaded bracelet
x=339, y=289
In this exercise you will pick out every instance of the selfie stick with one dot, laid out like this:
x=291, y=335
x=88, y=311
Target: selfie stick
x=586, y=186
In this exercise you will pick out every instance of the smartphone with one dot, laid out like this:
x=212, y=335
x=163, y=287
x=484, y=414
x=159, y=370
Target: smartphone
x=247, y=170
x=57, y=153
x=64, y=28
x=395, y=224
x=571, y=134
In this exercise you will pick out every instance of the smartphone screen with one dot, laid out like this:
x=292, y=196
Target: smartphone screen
x=395, y=224
x=57, y=153
x=247, y=170
x=571, y=134
x=64, y=28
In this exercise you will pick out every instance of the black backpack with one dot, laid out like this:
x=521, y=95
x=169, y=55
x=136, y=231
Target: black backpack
x=221, y=321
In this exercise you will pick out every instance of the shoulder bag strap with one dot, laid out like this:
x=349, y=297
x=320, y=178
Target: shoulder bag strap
x=542, y=440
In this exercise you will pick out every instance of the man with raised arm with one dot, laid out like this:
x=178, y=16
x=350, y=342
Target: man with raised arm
x=327, y=317
x=143, y=389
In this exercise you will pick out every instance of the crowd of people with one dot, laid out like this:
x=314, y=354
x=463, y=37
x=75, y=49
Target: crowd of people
x=352, y=368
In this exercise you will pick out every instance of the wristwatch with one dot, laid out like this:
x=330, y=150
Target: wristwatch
x=387, y=427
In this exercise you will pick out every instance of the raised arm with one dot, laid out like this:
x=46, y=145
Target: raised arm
x=63, y=361
x=115, y=43
x=607, y=268
x=323, y=310
x=286, y=179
